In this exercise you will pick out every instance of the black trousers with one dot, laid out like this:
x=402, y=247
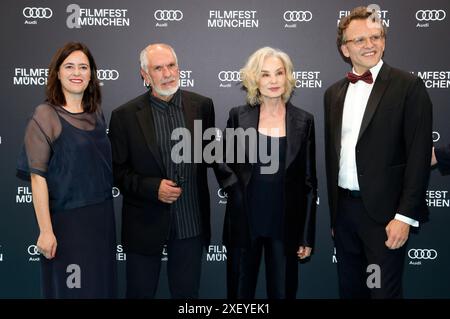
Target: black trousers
x=243, y=268
x=183, y=270
x=360, y=242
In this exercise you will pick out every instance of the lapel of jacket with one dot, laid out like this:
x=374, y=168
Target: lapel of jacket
x=145, y=119
x=250, y=119
x=378, y=89
x=190, y=114
x=293, y=134
x=336, y=112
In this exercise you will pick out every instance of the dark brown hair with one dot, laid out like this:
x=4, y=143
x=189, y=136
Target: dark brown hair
x=92, y=95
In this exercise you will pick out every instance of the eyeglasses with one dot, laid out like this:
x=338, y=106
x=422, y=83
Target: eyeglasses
x=360, y=41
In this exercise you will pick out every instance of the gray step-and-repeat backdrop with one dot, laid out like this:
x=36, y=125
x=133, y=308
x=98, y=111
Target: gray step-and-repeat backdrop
x=213, y=39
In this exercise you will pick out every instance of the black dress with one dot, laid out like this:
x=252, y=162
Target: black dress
x=72, y=152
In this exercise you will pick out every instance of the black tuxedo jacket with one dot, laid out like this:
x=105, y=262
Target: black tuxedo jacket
x=138, y=171
x=394, y=145
x=300, y=181
x=443, y=157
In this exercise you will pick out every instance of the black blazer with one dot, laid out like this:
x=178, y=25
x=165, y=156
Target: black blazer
x=443, y=159
x=394, y=145
x=300, y=181
x=138, y=171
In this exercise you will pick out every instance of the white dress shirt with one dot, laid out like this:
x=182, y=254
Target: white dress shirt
x=354, y=107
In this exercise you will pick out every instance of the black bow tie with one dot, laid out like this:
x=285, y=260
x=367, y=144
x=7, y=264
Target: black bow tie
x=366, y=77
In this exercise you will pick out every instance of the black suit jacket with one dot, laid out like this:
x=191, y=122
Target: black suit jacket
x=300, y=181
x=443, y=158
x=394, y=145
x=138, y=171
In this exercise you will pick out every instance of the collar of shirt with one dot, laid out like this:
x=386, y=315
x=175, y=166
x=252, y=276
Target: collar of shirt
x=163, y=105
x=374, y=70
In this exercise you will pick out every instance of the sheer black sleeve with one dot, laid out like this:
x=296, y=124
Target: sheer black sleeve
x=41, y=132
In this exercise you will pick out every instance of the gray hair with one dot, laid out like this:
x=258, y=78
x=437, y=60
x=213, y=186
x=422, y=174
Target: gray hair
x=144, y=58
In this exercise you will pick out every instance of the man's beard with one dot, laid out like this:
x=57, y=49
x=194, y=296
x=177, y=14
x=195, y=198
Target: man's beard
x=167, y=92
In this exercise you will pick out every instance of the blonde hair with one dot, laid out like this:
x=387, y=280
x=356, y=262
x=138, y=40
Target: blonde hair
x=251, y=73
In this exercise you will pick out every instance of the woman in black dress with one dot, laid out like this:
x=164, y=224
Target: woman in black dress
x=68, y=157
x=271, y=196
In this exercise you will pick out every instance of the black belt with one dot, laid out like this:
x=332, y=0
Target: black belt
x=349, y=193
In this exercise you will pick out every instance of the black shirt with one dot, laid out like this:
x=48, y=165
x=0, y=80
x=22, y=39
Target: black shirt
x=185, y=211
x=266, y=193
x=73, y=153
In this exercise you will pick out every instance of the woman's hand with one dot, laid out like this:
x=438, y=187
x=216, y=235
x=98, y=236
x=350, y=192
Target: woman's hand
x=46, y=244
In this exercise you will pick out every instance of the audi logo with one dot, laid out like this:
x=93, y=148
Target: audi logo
x=34, y=13
x=33, y=250
x=229, y=76
x=430, y=15
x=422, y=253
x=297, y=16
x=115, y=191
x=221, y=193
x=168, y=15
x=103, y=75
x=436, y=136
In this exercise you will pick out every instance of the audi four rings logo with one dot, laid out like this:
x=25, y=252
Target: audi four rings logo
x=422, y=253
x=221, y=193
x=168, y=15
x=104, y=75
x=297, y=16
x=430, y=15
x=115, y=191
x=229, y=76
x=34, y=13
x=33, y=250
x=436, y=136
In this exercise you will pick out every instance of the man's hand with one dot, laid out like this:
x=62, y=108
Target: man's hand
x=168, y=191
x=303, y=252
x=397, y=233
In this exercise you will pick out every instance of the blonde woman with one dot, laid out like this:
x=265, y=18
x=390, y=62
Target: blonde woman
x=269, y=210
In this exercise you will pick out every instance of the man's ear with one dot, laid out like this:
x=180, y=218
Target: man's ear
x=344, y=50
x=145, y=77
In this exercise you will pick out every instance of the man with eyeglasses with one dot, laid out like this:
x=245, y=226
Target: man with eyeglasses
x=378, y=138
x=165, y=199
